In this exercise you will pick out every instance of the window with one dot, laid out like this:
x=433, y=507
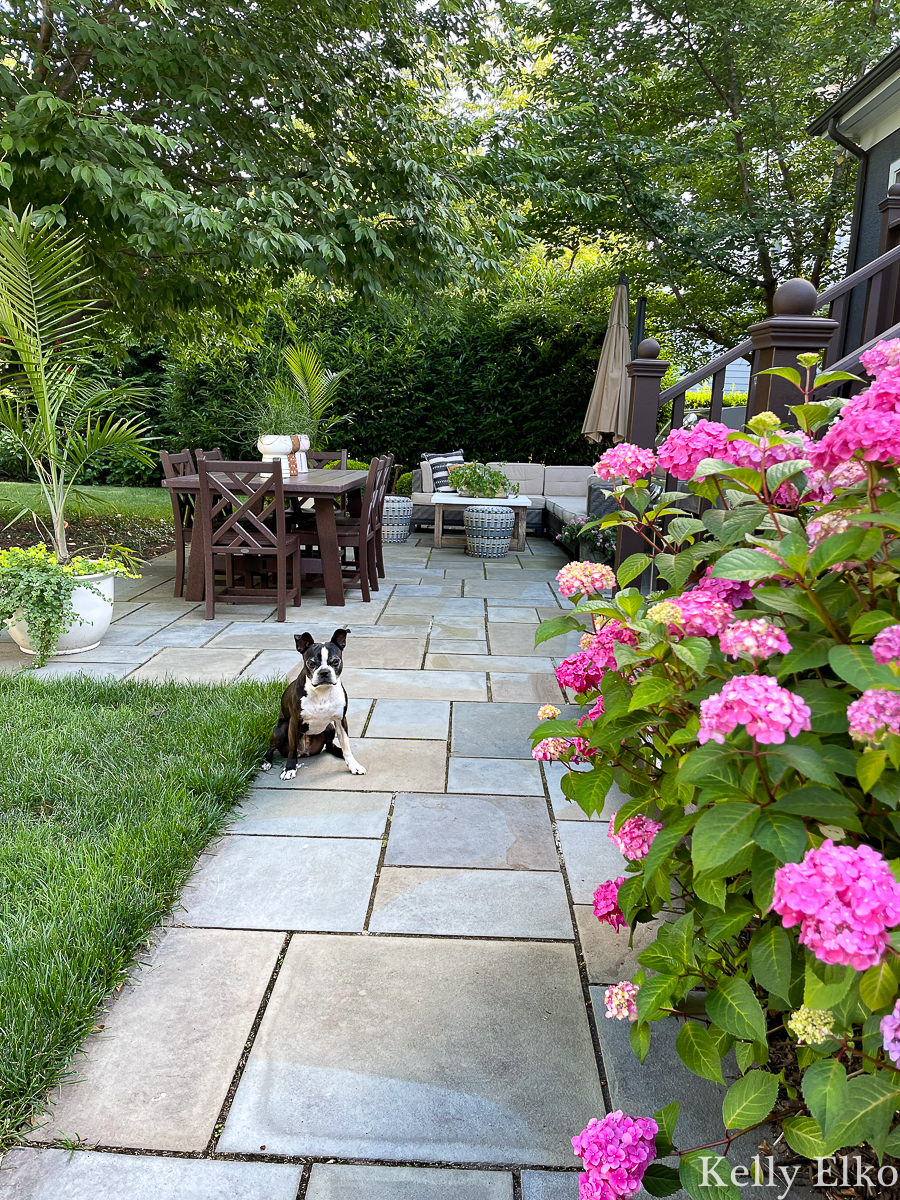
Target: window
x=894, y=176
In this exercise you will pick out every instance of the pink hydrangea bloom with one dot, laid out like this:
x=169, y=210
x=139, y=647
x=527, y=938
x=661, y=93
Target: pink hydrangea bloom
x=767, y=710
x=825, y=526
x=615, y=1152
x=886, y=647
x=552, y=749
x=819, y=487
x=621, y=1001
x=583, y=671
x=547, y=712
x=881, y=356
x=585, y=578
x=732, y=591
x=703, y=614
x=595, y=711
x=847, y=474
x=625, y=461
x=684, y=449
x=756, y=639
x=890, y=1031
x=635, y=837
x=606, y=903
x=875, y=714
x=844, y=898
x=859, y=433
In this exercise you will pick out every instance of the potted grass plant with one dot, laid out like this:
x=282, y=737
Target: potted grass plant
x=475, y=479
x=61, y=421
x=295, y=413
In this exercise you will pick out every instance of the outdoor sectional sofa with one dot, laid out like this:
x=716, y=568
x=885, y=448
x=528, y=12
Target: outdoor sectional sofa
x=557, y=494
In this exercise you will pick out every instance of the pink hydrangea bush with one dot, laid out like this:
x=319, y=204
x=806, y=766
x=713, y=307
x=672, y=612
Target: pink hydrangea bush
x=606, y=903
x=625, y=461
x=615, y=1152
x=635, y=836
x=845, y=900
x=763, y=792
x=574, y=750
x=768, y=711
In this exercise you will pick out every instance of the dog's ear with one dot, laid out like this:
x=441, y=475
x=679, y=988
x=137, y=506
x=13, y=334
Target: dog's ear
x=339, y=638
x=303, y=641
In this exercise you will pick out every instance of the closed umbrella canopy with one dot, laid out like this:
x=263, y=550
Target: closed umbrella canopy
x=607, y=410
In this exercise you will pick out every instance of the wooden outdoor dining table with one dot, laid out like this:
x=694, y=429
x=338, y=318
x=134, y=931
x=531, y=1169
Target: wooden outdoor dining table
x=325, y=488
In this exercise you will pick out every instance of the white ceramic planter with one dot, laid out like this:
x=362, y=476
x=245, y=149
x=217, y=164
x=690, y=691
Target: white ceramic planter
x=94, y=611
x=273, y=446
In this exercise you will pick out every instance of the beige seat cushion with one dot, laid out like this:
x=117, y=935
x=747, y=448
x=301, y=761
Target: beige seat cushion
x=427, y=481
x=567, y=508
x=567, y=481
x=529, y=476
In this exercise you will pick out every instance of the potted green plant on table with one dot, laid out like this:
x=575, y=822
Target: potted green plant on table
x=749, y=710
x=61, y=421
x=475, y=479
x=295, y=414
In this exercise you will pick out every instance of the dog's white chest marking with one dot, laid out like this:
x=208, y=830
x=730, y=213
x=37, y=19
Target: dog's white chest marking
x=322, y=705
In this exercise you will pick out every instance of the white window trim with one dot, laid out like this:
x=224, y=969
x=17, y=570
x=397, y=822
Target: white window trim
x=894, y=176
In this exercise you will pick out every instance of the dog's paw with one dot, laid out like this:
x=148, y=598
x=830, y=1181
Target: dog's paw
x=266, y=766
x=355, y=768
x=286, y=774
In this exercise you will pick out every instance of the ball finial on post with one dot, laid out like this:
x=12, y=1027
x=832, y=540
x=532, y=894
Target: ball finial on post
x=648, y=348
x=795, y=298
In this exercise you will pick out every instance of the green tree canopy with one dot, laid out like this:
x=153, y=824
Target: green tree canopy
x=674, y=131
x=199, y=146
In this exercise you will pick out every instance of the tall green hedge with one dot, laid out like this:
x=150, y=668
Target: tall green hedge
x=504, y=373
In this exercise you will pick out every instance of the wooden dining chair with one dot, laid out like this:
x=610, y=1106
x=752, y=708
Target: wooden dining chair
x=319, y=459
x=382, y=484
x=356, y=534
x=242, y=510
x=175, y=465
x=215, y=453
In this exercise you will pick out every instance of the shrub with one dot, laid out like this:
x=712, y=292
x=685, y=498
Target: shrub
x=403, y=486
x=751, y=713
x=506, y=372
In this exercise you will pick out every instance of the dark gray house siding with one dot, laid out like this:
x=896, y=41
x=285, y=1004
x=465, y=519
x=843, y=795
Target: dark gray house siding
x=878, y=180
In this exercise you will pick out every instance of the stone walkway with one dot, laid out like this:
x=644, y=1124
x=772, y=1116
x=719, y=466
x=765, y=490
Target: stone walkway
x=381, y=987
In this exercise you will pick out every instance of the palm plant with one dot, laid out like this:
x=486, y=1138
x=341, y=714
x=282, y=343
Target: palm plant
x=61, y=420
x=302, y=403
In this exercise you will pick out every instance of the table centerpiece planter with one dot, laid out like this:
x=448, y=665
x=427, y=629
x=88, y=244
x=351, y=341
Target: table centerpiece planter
x=289, y=448
x=475, y=479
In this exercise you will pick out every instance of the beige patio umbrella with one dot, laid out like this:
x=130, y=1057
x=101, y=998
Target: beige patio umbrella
x=607, y=410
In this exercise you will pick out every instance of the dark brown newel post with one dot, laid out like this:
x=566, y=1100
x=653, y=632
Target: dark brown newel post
x=778, y=340
x=646, y=372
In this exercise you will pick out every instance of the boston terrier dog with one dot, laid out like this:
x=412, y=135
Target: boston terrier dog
x=314, y=707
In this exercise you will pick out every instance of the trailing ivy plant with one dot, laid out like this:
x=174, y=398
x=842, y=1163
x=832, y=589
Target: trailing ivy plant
x=749, y=709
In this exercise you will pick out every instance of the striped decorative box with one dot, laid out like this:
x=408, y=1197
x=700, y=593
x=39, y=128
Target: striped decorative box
x=396, y=517
x=488, y=530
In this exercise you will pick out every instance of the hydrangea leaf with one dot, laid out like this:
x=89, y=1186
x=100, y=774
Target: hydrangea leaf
x=749, y=1100
x=698, y=1052
x=722, y=832
x=733, y=1006
x=770, y=959
x=825, y=1092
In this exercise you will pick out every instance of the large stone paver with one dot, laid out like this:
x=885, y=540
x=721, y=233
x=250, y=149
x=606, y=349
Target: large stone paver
x=611, y=955
x=332, y=1181
x=188, y=665
x=503, y=832
x=495, y=776
x=415, y=685
x=283, y=883
x=509, y=663
x=590, y=857
x=392, y=765
x=511, y=688
x=410, y=719
x=295, y=812
x=157, y=1074
x=518, y=638
x=464, y=903
x=500, y=733
x=549, y=1185
x=62, y=1175
x=419, y=1049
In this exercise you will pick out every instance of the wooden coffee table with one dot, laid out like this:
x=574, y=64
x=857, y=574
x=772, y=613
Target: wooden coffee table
x=442, y=500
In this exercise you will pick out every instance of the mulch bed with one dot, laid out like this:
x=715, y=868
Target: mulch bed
x=146, y=536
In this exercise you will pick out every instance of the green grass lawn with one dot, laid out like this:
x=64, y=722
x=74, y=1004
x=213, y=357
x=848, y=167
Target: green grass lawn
x=108, y=792
x=93, y=501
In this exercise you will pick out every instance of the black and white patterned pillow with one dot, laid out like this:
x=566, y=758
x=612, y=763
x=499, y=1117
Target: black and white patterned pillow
x=440, y=468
